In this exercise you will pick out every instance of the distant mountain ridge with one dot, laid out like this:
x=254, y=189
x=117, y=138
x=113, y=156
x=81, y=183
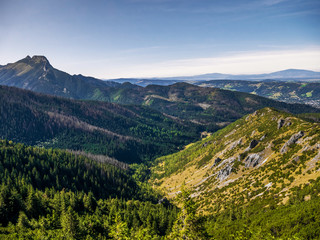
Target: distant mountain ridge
x=291, y=92
x=293, y=74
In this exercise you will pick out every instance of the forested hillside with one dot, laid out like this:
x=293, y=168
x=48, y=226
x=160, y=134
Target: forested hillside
x=212, y=107
x=127, y=133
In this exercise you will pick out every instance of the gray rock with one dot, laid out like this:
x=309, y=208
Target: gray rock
x=235, y=143
x=252, y=160
x=294, y=138
x=225, y=172
x=280, y=123
x=263, y=137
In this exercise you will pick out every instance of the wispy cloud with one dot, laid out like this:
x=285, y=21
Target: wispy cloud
x=240, y=63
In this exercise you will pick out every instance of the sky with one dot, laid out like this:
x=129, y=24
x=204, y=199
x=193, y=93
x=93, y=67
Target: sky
x=162, y=38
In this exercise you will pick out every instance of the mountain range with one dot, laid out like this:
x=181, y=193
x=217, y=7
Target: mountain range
x=81, y=158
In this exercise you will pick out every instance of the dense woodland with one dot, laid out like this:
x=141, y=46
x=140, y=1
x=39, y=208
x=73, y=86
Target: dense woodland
x=99, y=201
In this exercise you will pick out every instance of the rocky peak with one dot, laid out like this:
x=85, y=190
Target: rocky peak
x=39, y=59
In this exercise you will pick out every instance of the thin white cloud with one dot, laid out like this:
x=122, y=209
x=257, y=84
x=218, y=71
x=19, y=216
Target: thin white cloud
x=241, y=63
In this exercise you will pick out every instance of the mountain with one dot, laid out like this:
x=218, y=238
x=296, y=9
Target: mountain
x=127, y=133
x=289, y=74
x=259, y=175
x=290, y=92
x=38, y=75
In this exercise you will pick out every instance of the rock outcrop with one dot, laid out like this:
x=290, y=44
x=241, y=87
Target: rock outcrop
x=225, y=172
x=252, y=160
x=216, y=161
x=294, y=138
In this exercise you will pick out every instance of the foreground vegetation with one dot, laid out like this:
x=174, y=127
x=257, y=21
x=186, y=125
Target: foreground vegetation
x=59, y=195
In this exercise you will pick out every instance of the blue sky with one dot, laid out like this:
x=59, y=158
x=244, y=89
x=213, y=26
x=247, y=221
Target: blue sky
x=154, y=38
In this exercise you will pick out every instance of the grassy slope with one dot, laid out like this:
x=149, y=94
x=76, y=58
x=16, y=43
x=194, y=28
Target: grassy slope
x=275, y=174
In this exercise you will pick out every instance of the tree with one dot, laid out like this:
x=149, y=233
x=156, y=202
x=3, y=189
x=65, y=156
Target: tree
x=23, y=221
x=119, y=230
x=70, y=223
x=185, y=227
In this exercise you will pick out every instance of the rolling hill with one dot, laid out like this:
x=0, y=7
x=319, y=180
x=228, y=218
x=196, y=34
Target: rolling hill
x=211, y=107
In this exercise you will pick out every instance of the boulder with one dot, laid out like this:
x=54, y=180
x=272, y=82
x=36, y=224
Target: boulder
x=235, y=143
x=217, y=160
x=287, y=124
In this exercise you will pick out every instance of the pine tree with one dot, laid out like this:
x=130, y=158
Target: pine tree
x=70, y=224
x=185, y=227
x=119, y=230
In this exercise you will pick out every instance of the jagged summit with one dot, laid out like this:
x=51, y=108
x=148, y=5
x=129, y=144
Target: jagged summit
x=39, y=59
x=32, y=62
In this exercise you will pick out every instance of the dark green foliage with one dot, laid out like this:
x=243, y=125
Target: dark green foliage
x=61, y=170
